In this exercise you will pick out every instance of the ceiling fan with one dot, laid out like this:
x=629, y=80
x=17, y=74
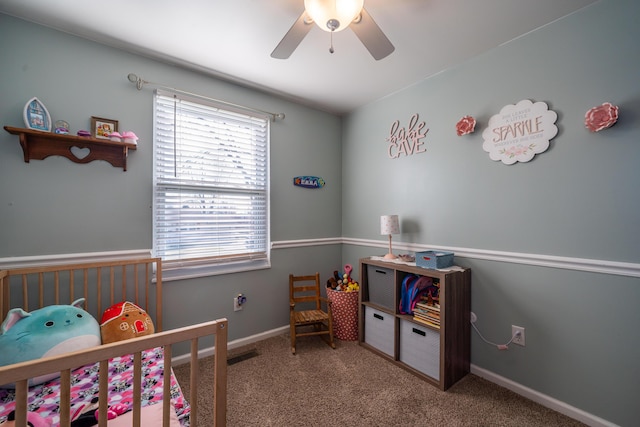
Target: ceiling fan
x=332, y=16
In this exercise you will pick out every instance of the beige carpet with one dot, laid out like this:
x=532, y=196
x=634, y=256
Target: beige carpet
x=351, y=386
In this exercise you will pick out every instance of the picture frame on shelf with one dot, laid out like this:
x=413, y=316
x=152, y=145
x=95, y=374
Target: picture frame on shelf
x=36, y=116
x=101, y=127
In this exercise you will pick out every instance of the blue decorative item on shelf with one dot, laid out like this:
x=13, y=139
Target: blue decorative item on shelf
x=434, y=259
x=36, y=115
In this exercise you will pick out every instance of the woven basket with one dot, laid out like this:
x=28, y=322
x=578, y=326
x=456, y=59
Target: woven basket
x=344, y=308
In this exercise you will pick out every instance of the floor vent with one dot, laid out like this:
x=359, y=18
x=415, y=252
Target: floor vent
x=242, y=356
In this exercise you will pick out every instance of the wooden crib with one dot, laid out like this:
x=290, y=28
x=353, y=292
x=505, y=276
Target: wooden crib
x=103, y=284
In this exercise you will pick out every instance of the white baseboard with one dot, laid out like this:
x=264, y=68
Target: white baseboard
x=210, y=351
x=542, y=399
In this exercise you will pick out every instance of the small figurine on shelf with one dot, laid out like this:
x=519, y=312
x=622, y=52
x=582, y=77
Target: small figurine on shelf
x=115, y=136
x=129, y=137
x=61, y=127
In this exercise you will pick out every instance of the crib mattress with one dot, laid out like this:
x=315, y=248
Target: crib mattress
x=44, y=398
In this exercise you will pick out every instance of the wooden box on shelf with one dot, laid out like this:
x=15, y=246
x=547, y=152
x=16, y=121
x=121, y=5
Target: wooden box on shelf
x=39, y=145
x=437, y=354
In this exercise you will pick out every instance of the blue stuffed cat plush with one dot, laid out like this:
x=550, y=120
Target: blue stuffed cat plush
x=48, y=331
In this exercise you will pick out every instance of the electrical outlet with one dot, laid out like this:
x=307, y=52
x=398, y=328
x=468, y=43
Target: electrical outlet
x=238, y=302
x=517, y=332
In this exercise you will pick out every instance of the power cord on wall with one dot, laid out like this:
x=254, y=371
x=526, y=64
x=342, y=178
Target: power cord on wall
x=499, y=346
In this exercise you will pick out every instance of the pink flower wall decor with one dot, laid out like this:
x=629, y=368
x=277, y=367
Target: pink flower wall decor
x=466, y=125
x=601, y=117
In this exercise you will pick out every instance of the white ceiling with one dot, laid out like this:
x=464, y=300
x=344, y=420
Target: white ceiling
x=233, y=39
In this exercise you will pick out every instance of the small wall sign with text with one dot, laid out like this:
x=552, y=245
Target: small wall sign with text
x=405, y=142
x=308, y=181
x=36, y=115
x=519, y=132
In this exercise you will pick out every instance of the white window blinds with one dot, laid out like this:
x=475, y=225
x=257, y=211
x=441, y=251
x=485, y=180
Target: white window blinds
x=211, y=185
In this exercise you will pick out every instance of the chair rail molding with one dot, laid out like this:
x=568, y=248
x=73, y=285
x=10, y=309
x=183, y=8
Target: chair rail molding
x=540, y=260
x=551, y=261
x=58, y=259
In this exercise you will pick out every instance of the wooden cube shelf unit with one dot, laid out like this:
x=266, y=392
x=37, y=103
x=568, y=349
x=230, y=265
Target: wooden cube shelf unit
x=39, y=145
x=441, y=355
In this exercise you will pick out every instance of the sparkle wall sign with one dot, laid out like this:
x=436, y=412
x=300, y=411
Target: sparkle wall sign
x=519, y=132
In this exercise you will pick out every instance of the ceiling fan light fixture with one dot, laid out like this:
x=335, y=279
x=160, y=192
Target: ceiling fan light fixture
x=333, y=15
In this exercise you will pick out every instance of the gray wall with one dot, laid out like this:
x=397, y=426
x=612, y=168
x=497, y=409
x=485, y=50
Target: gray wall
x=579, y=199
x=55, y=206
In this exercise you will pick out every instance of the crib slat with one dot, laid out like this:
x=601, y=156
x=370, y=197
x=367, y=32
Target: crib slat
x=137, y=389
x=56, y=286
x=124, y=283
x=193, y=382
x=85, y=287
x=147, y=282
x=166, y=385
x=25, y=294
x=41, y=289
x=103, y=380
x=65, y=397
x=21, y=402
x=4, y=292
x=99, y=288
x=220, y=373
x=111, y=286
x=158, y=294
x=72, y=292
x=136, y=295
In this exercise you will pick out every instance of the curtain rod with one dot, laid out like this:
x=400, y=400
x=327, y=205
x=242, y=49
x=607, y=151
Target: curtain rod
x=139, y=82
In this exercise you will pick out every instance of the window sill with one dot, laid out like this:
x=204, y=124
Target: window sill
x=180, y=273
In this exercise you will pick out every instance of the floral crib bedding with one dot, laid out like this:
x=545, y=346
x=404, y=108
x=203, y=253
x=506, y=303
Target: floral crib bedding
x=44, y=398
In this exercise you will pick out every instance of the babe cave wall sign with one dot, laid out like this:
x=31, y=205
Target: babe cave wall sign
x=519, y=132
x=407, y=141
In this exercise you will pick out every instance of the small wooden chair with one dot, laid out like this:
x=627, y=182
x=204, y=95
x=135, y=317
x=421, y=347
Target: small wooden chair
x=304, y=295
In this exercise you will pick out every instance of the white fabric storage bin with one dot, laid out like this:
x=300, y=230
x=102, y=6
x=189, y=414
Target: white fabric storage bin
x=379, y=330
x=420, y=348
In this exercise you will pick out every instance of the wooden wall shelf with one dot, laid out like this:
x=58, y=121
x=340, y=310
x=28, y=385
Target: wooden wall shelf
x=39, y=145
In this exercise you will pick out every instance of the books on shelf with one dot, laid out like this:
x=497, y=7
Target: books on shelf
x=426, y=322
x=427, y=313
x=426, y=306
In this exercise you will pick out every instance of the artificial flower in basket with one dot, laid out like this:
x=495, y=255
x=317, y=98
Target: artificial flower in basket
x=601, y=117
x=466, y=125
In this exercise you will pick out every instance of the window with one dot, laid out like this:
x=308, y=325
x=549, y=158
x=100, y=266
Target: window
x=211, y=187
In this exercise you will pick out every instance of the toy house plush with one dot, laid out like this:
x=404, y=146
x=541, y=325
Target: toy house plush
x=123, y=321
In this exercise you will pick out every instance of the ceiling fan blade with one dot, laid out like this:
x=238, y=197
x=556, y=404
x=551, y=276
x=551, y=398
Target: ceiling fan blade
x=372, y=36
x=294, y=36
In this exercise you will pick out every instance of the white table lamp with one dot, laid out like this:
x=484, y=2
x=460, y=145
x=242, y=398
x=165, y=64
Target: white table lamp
x=389, y=225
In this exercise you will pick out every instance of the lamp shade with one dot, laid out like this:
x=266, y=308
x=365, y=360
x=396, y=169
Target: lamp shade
x=389, y=224
x=333, y=15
